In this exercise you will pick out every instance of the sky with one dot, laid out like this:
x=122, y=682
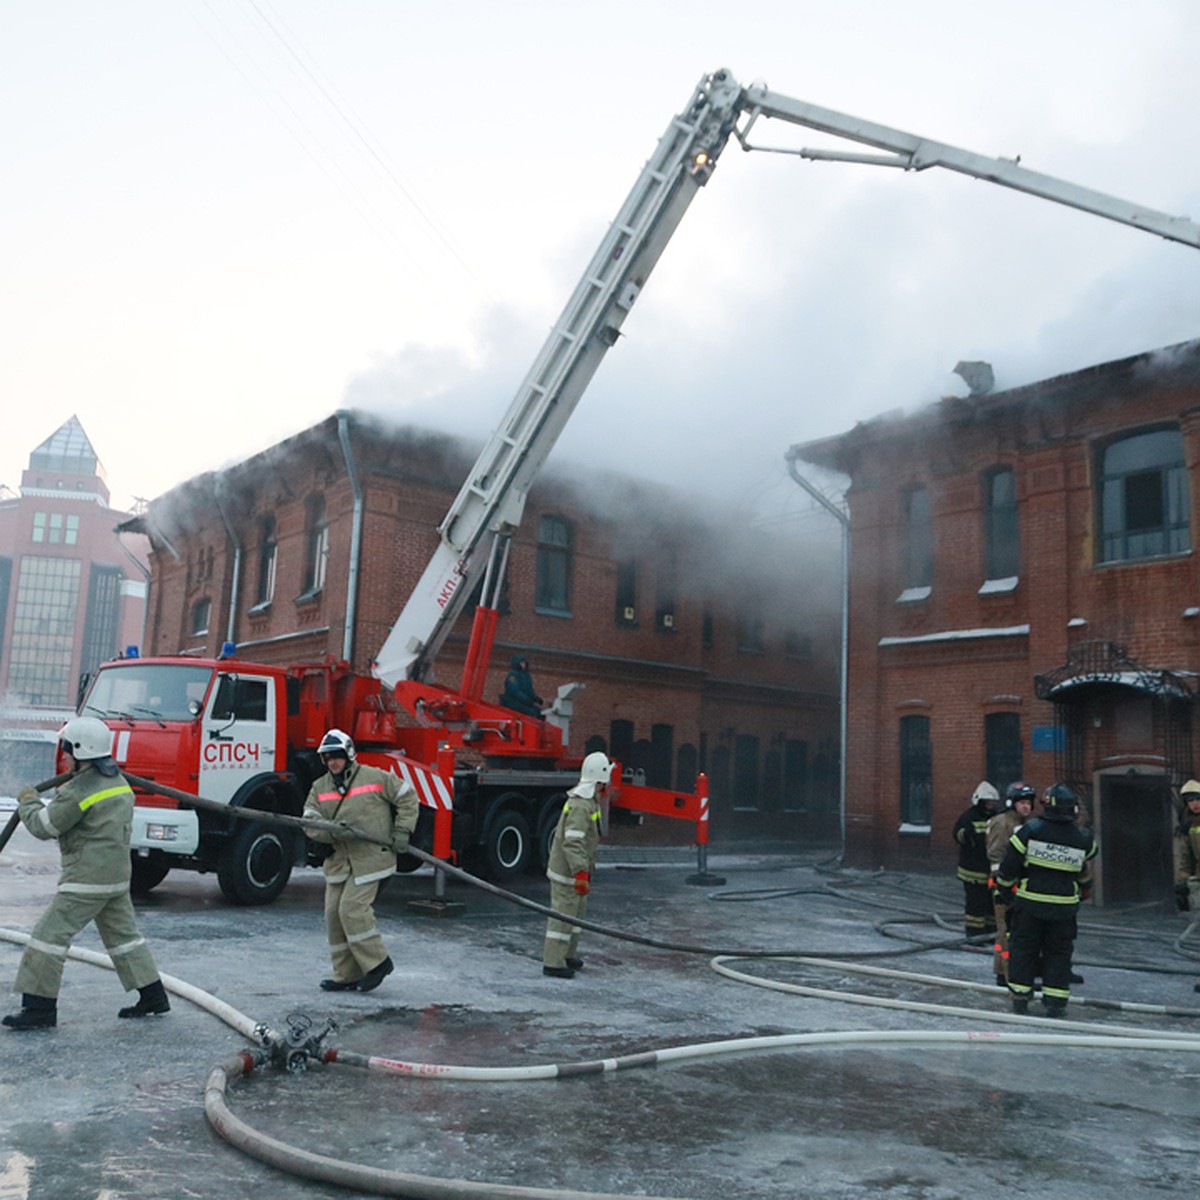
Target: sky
x=223, y=220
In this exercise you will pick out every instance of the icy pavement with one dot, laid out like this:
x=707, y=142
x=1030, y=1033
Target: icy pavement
x=107, y=1108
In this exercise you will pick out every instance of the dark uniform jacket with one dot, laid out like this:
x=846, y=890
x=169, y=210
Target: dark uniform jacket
x=1049, y=860
x=970, y=832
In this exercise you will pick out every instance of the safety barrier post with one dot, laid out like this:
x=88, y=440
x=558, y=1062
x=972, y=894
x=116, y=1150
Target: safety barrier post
x=443, y=820
x=702, y=877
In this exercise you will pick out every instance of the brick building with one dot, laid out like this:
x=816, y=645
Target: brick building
x=701, y=647
x=72, y=593
x=1025, y=603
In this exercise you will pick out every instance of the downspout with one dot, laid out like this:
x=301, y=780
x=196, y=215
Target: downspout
x=343, y=418
x=844, y=521
x=231, y=625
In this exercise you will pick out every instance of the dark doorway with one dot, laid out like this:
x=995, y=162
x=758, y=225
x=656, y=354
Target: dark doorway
x=1135, y=845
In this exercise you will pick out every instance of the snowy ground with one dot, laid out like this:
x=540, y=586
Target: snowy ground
x=107, y=1108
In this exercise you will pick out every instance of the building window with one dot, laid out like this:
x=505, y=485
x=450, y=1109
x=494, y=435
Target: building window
x=795, y=775
x=620, y=739
x=746, y=793
x=916, y=772
x=5, y=582
x=626, y=610
x=43, y=638
x=1143, y=497
x=100, y=619
x=750, y=634
x=664, y=602
x=706, y=629
x=1002, y=735
x=201, y=612
x=268, y=547
x=553, y=594
x=918, y=539
x=316, y=553
x=662, y=756
x=72, y=530
x=687, y=765
x=39, y=526
x=1000, y=524
x=56, y=528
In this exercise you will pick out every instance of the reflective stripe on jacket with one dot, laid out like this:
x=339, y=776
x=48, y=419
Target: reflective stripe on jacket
x=576, y=836
x=1048, y=860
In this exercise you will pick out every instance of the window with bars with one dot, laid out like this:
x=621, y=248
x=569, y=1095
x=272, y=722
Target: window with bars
x=916, y=772
x=1002, y=736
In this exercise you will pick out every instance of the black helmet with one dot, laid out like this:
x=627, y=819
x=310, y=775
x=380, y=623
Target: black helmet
x=1061, y=801
x=1018, y=791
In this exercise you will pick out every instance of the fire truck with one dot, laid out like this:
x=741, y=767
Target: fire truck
x=491, y=781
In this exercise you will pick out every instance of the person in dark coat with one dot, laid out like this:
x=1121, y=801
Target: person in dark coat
x=970, y=832
x=518, y=691
x=1048, y=865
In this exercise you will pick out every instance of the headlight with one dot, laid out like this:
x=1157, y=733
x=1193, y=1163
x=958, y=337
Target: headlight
x=162, y=833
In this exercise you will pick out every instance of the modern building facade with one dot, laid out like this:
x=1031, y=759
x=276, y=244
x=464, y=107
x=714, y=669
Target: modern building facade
x=72, y=594
x=1025, y=603
x=702, y=646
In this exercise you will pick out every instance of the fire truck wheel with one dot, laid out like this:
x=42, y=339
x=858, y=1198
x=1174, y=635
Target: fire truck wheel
x=147, y=872
x=255, y=864
x=506, y=845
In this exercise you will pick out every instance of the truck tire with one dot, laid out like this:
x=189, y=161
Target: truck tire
x=255, y=864
x=147, y=872
x=507, y=845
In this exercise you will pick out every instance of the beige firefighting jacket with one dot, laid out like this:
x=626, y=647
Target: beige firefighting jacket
x=999, y=829
x=576, y=836
x=377, y=802
x=1187, y=853
x=91, y=816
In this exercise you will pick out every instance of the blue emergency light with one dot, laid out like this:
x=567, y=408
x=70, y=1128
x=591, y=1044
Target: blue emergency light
x=229, y=649
x=131, y=652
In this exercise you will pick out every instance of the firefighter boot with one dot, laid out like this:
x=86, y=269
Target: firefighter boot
x=376, y=975
x=1020, y=1006
x=152, y=1000
x=1055, y=1009
x=559, y=972
x=576, y=964
x=37, y=1012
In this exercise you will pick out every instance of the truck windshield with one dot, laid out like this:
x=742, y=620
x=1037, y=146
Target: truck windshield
x=164, y=692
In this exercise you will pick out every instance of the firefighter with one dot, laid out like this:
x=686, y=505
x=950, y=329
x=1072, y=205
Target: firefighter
x=383, y=806
x=572, y=861
x=91, y=816
x=1049, y=861
x=970, y=832
x=518, y=691
x=1018, y=808
x=1187, y=848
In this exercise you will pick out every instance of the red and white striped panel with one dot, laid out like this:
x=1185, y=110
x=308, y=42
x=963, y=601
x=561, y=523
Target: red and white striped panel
x=432, y=789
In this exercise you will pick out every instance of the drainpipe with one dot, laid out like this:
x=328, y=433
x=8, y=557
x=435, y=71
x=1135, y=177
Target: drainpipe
x=844, y=521
x=231, y=626
x=343, y=419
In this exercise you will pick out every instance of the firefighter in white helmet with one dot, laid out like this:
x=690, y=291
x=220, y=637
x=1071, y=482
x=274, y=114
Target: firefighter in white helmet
x=382, y=806
x=572, y=862
x=91, y=818
x=1187, y=849
x=970, y=832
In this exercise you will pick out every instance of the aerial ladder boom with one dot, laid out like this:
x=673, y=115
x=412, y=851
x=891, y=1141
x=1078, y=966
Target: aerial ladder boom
x=492, y=499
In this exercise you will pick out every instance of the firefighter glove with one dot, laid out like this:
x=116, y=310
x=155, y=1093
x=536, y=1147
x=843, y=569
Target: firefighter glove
x=400, y=842
x=342, y=832
x=26, y=795
x=582, y=886
x=1181, y=897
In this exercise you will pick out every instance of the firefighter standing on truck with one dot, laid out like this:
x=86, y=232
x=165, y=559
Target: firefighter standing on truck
x=91, y=817
x=970, y=832
x=1049, y=860
x=1018, y=808
x=384, y=807
x=572, y=862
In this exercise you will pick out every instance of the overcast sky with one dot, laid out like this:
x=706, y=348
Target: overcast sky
x=223, y=220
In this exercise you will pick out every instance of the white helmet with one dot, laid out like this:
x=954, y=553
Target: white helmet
x=86, y=738
x=985, y=793
x=337, y=742
x=596, y=769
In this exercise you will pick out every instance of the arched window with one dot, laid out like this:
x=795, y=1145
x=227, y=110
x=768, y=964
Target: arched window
x=916, y=772
x=316, y=546
x=918, y=539
x=1143, y=499
x=266, y=561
